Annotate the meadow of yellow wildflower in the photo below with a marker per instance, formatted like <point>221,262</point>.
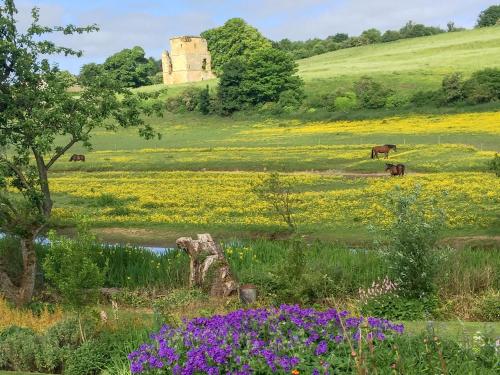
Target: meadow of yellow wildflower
<point>471,200</point>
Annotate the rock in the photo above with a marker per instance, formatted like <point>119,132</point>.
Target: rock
<point>248,294</point>
<point>209,268</point>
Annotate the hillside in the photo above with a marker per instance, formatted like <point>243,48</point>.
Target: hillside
<point>407,64</point>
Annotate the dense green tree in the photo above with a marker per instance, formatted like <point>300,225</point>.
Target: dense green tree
<point>90,72</point>
<point>235,38</point>
<point>489,16</point>
<point>390,36</point>
<point>415,30</point>
<point>130,67</point>
<point>340,37</point>
<point>39,122</point>
<point>372,35</point>
<point>259,78</point>
<point>229,91</point>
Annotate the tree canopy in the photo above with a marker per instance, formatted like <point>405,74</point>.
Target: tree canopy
<point>489,16</point>
<point>129,67</point>
<point>259,78</point>
<point>234,38</point>
<point>40,120</point>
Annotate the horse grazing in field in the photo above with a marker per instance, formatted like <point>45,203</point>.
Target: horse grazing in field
<point>76,157</point>
<point>385,149</point>
<point>396,170</point>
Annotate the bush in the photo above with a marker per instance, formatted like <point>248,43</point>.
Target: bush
<point>371,94</point>
<point>426,98</point>
<point>411,257</point>
<point>494,165</point>
<point>452,88</point>
<point>88,359</point>
<point>489,307</point>
<point>69,266</point>
<point>17,349</point>
<point>397,101</point>
<point>390,306</point>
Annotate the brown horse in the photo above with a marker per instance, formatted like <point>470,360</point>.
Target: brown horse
<point>76,157</point>
<point>385,149</point>
<point>396,170</point>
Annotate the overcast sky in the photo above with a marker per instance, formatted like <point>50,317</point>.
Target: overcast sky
<point>150,23</point>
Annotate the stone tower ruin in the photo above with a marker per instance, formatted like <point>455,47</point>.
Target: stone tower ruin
<point>188,61</point>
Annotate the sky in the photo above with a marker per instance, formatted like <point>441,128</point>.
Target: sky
<point>150,23</point>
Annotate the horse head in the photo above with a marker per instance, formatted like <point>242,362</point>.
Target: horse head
<point>388,166</point>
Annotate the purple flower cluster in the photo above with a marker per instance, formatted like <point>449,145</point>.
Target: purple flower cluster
<point>276,340</point>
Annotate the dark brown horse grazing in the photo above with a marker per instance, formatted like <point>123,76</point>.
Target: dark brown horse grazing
<point>382,150</point>
<point>76,157</point>
<point>396,170</point>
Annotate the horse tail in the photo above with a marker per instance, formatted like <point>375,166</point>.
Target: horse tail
<point>373,153</point>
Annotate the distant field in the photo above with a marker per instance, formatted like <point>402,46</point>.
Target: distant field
<point>463,142</point>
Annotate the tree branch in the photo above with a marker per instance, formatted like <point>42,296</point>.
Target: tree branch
<point>17,171</point>
<point>61,152</point>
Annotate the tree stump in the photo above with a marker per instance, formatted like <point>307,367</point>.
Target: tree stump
<point>209,268</point>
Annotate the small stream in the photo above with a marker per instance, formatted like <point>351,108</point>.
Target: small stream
<point>154,249</point>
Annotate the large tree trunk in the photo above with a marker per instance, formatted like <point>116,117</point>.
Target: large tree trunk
<point>22,293</point>
<point>208,266</point>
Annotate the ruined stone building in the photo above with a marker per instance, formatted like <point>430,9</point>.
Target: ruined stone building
<point>188,61</point>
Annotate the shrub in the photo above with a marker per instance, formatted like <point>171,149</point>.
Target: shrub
<point>494,165</point>
<point>390,306</point>
<point>371,94</point>
<point>397,101</point>
<point>413,234</point>
<point>426,98</point>
<point>276,191</point>
<point>88,359</point>
<point>70,268</point>
<point>489,307</point>
<point>290,99</point>
<point>345,102</point>
<point>17,349</point>
<point>452,88</point>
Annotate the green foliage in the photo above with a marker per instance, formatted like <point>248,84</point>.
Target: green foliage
<point>235,38</point>
<point>41,120</point>
<point>452,88</point>
<point>489,16</point>
<point>371,94</point>
<point>411,257</point>
<point>204,101</point>
<point>88,359</point>
<point>390,36</point>
<point>494,165</point>
<point>261,77</point>
<point>390,306</point>
<point>90,73</point>
<point>71,270</point>
<point>17,349</point>
<point>414,30</point>
<point>489,307</point>
<point>277,192</point>
<point>129,67</point>
<point>187,101</point>
<point>372,35</point>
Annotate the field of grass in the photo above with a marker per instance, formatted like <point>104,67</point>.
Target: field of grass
<point>445,150</point>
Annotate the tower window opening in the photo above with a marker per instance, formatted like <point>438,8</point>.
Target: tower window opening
<point>204,64</point>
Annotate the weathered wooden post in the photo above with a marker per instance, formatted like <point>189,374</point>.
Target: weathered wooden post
<point>209,268</point>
